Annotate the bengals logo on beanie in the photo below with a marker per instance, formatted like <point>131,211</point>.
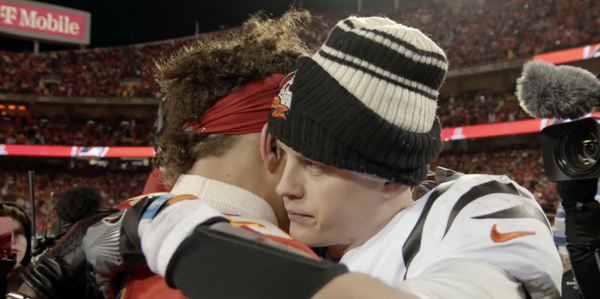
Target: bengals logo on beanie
<point>283,101</point>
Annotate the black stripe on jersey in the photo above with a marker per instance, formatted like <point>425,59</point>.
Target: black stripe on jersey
<point>476,192</point>
<point>413,243</point>
<point>516,212</point>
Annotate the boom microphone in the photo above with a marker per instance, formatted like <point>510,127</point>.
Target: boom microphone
<point>545,90</point>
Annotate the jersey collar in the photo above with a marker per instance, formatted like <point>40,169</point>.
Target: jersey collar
<point>226,198</point>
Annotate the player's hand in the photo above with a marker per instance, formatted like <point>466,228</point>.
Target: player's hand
<point>112,245</point>
<point>61,273</point>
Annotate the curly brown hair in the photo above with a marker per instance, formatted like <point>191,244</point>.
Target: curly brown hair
<point>199,75</point>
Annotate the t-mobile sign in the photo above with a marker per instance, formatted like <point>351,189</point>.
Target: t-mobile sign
<point>43,21</point>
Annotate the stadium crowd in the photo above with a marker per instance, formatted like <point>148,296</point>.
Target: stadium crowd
<point>468,109</point>
<point>483,32</point>
<point>523,165</point>
<point>479,107</point>
<point>113,185</point>
<point>59,131</point>
<point>479,33</point>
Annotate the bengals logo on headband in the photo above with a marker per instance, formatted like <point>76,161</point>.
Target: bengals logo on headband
<point>283,101</point>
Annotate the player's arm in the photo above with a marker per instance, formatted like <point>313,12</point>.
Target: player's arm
<point>216,256</point>
<point>193,246</point>
<point>211,252</point>
<point>187,239</point>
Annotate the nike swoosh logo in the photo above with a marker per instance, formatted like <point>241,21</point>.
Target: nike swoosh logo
<point>498,237</point>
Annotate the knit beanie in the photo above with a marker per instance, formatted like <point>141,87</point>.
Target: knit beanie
<point>366,101</point>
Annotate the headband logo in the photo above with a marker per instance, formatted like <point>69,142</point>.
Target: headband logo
<point>283,101</point>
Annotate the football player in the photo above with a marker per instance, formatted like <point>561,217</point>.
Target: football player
<point>218,97</point>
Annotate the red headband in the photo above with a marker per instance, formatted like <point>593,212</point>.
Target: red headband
<point>243,111</point>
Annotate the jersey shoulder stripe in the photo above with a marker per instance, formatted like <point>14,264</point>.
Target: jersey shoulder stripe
<point>413,243</point>
<point>490,187</point>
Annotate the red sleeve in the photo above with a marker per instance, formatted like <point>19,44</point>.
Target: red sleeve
<point>126,204</point>
<point>142,283</point>
<point>154,183</point>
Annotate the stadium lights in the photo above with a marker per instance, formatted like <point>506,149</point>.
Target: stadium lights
<point>13,107</point>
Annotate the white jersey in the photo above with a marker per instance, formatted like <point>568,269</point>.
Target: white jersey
<point>462,229</point>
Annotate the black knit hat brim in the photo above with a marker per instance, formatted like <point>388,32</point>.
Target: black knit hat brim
<point>328,124</point>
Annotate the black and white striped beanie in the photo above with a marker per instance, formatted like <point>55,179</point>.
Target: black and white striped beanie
<point>366,101</point>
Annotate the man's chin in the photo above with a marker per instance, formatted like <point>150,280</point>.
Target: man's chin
<point>306,236</point>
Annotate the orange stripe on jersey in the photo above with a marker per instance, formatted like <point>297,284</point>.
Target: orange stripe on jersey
<point>130,202</point>
<point>179,198</point>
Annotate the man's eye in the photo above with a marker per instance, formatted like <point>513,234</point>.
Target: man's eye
<point>314,167</point>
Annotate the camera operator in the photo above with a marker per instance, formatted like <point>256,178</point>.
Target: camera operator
<point>571,157</point>
<point>570,288</point>
<point>582,228</point>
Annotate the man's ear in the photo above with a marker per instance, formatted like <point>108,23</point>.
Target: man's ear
<point>268,149</point>
<point>392,190</point>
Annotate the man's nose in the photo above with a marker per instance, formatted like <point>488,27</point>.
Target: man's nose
<point>290,186</point>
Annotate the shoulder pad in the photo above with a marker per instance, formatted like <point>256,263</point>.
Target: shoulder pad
<point>443,175</point>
